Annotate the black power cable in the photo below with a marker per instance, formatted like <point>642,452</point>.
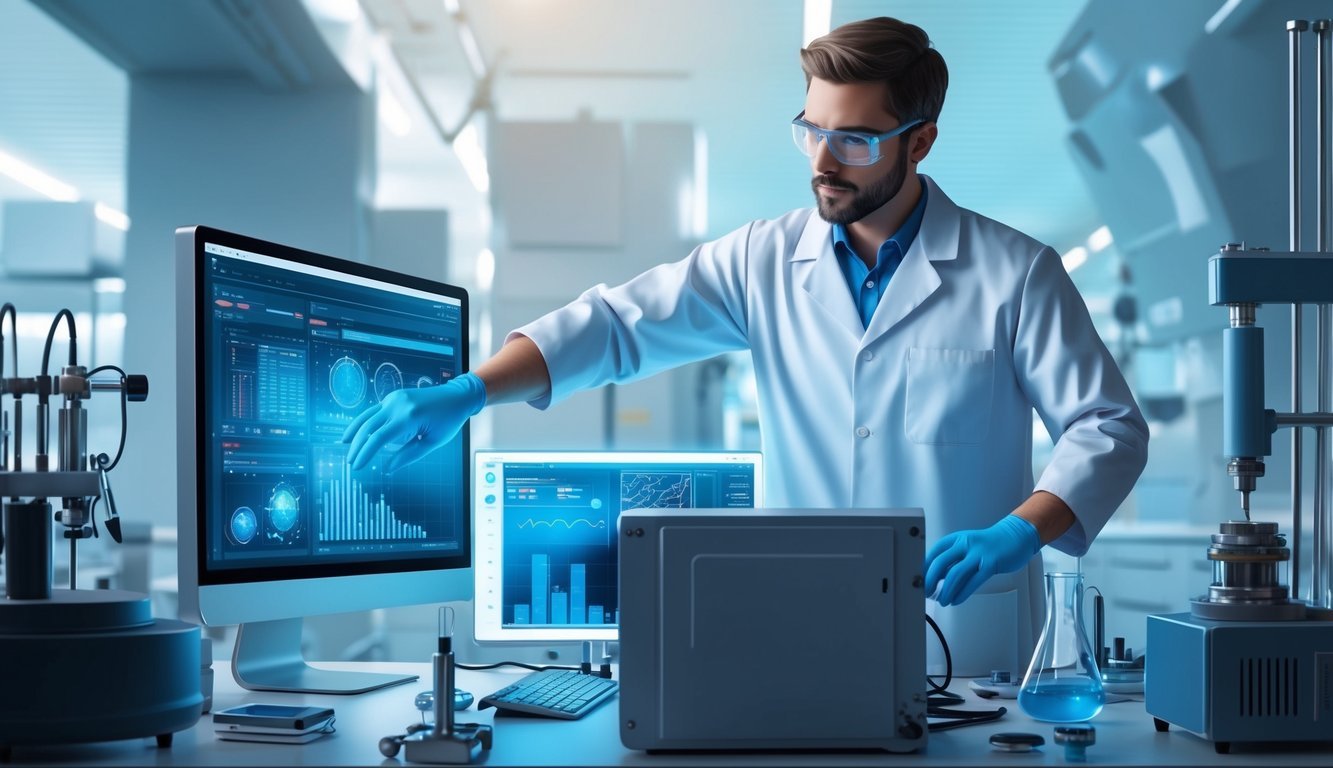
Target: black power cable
<point>940,701</point>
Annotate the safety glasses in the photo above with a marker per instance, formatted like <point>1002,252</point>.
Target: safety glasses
<point>849,147</point>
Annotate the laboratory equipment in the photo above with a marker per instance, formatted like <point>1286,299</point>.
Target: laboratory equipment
<point>1063,684</point>
<point>1016,742</point>
<point>551,516</point>
<point>279,350</point>
<point>78,665</point>
<point>561,693</point>
<point>1076,740</point>
<point>714,651</point>
<point>444,741</point>
<point>1251,661</point>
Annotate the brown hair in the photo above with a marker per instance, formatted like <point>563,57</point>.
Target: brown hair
<point>883,50</point>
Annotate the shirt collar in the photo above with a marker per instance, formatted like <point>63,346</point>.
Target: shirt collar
<point>902,238</point>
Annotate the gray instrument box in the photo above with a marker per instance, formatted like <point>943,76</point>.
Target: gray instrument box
<point>772,629</point>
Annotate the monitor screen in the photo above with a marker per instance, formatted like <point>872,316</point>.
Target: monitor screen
<point>281,350</point>
<point>546,530</point>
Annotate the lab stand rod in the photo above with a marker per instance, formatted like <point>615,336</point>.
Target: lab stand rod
<point>1294,30</point>
<point>1322,591</point>
<point>1305,419</point>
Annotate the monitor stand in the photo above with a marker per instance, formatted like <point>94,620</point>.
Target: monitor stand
<point>267,657</point>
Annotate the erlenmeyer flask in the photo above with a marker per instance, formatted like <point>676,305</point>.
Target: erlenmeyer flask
<point>1063,684</point>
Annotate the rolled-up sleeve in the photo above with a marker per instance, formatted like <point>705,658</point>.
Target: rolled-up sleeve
<point>671,315</point>
<point>1101,438</point>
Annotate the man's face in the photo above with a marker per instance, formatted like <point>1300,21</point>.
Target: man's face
<point>848,193</point>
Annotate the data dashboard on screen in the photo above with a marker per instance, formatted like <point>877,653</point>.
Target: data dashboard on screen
<point>293,352</point>
<point>546,542</point>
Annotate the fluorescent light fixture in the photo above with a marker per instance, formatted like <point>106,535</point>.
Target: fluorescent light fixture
<point>111,216</point>
<point>700,212</point>
<point>340,11</point>
<point>1074,258</point>
<point>452,7</point>
<point>391,111</point>
<point>473,51</point>
<point>818,16</point>
<point>36,180</point>
<point>1210,26</point>
<point>109,285</point>
<point>485,269</point>
<point>1099,239</point>
<point>467,146</point>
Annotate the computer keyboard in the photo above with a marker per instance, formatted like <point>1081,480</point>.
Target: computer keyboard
<point>561,693</point>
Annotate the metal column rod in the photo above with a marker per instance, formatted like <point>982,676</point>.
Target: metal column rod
<point>1294,30</point>
<point>1322,591</point>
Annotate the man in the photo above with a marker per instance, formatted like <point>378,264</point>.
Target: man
<point>899,342</point>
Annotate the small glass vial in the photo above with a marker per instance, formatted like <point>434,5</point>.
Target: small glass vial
<point>1063,684</point>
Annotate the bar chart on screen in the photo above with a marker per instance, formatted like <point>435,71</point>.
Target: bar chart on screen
<point>349,513</point>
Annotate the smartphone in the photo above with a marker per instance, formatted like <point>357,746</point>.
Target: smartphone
<point>271,718</point>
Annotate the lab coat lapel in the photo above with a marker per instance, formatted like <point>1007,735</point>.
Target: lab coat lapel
<point>815,269</point>
<point>916,278</point>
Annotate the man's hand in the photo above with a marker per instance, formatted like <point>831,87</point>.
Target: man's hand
<point>961,562</point>
<point>422,419</point>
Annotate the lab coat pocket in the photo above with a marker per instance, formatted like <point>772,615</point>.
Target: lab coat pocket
<point>949,395</point>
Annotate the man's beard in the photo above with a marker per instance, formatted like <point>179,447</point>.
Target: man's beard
<point>863,202</point>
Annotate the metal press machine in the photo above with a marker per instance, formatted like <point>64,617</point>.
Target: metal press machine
<point>1252,661</point>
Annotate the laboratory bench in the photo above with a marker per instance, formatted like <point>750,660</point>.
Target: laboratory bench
<point>1125,736</point>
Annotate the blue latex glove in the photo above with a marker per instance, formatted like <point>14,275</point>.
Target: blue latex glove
<point>420,419</point>
<point>961,562</point>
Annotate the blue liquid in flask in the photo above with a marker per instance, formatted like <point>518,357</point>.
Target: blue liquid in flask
<point>1071,700</point>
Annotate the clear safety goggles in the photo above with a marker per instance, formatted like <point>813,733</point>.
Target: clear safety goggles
<point>849,147</point>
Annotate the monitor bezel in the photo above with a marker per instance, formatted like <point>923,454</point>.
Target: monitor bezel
<point>204,576</point>
<point>488,619</point>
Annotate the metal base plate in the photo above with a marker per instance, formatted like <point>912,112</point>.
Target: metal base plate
<point>1290,610</point>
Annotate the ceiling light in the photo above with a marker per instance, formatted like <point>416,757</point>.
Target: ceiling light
<point>37,180</point>
<point>485,269</point>
<point>1099,239</point>
<point>818,14</point>
<point>111,216</point>
<point>1074,258</point>
<point>467,146</point>
<point>392,114</point>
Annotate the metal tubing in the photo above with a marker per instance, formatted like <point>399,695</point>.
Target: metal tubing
<point>1296,452</point>
<point>1306,419</point>
<point>18,435</point>
<point>1322,590</point>
<point>1294,30</point>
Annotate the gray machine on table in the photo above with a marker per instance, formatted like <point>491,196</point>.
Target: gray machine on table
<point>78,665</point>
<point>772,629</point>
<point>1251,661</point>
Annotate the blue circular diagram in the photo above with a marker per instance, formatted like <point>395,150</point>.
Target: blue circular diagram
<point>347,382</point>
<point>490,477</point>
<point>284,508</point>
<point>424,381</point>
<point>490,498</point>
<point>244,524</point>
<point>595,504</point>
<point>387,379</point>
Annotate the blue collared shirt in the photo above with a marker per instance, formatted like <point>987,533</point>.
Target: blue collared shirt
<point>867,285</point>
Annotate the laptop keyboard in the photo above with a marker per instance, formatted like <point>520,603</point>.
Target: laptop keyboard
<point>561,693</point>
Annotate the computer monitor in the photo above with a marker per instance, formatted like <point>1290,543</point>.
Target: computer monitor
<point>279,350</point>
<point>546,530</point>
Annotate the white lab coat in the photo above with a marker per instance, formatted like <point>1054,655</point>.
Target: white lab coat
<point>930,407</point>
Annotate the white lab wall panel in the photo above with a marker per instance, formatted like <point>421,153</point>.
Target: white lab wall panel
<point>561,183</point>
<point>415,242</point>
<point>537,271</point>
<point>288,166</point>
